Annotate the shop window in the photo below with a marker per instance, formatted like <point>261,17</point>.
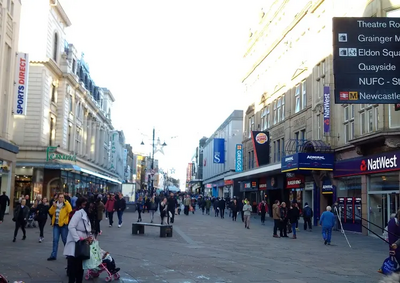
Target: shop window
<point>349,187</point>
<point>384,182</point>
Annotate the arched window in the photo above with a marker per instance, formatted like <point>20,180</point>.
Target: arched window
<point>55,47</point>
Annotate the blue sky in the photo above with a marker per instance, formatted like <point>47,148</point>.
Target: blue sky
<point>173,65</point>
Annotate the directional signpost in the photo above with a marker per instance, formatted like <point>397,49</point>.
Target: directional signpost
<point>366,60</point>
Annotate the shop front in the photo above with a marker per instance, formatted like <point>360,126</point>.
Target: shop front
<point>228,189</point>
<point>8,158</point>
<point>46,179</point>
<point>249,191</point>
<point>275,190</point>
<point>368,188</point>
<point>302,168</point>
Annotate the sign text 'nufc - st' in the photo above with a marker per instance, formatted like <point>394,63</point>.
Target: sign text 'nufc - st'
<point>366,60</point>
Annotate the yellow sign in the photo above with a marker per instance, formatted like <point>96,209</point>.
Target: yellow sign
<point>353,95</point>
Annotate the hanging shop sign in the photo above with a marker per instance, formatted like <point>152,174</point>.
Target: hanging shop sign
<point>307,161</point>
<point>52,155</point>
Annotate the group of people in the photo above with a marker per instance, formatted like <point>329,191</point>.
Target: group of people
<point>72,218</point>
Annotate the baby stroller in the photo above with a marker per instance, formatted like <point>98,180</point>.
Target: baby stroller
<point>30,223</point>
<point>99,262</point>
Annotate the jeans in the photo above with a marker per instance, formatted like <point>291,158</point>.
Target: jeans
<point>139,215</point>
<point>277,223</point>
<point>216,212</point>
<point>2,212</point>
<point>294,228</point>
<point>57,232</point>
<point>120,213</point>
<point>234,215</point>
<point>19,224</point>
<point>186,210</point>
<point>327,233</point>
<point>110,217</point>
<point>97,226</point>
<point>42,223</point>
<point>207,211</point>
<point>307,221</point>
<point>152,211</point>
<point>222,212</point>
<point>75,270</point>
<point>283,230</point>
<point>262,217</point>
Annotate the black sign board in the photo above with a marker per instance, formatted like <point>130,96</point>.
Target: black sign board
<point>261,147</point>
<point>366,60</point>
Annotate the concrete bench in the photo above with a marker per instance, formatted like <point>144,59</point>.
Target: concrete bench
<point>165,229</point>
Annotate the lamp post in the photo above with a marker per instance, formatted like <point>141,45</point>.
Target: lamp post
<point>152,160</point>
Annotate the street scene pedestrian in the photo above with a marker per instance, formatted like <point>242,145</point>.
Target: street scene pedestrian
<point>4,202</point>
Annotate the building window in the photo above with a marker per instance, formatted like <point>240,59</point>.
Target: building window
<point>278,150</point>
<point>267,119</point>
<point>55,47</point>
<point>252,159</point>
<point>297,98</point>
<point>249,159</point>
<point>71,103</point>
<point>318,127</point>
<point>303,95</point>
<point>73,66</point>
<point>278,108</point>
<point>394,117</point>
<point>303,136</point>
<point>251,125</point>
<point>53,93</point>
<point>348,123</point>
<point>78,141</point>
<point>369,118</point>
<point>275,113</point>
<point>51,133</point>
<point>69,137</point>
<point>263,119</point>
<point>283,108</point>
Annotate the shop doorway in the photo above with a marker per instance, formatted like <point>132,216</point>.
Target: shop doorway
<point>381,207</point>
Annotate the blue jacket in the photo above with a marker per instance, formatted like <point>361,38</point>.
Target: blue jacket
<point>327,219</point>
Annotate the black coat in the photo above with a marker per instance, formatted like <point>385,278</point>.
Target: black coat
<point>4,201</point>
<point>120,204</point>
<point>25,212</point>
<point>42,211</point>
<point>171,202</point>
<point>294,215</point>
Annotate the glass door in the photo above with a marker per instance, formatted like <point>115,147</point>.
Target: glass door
<point>378,212</point>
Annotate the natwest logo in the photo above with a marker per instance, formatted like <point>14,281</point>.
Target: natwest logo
<point>379,163</point>
<point>315,157</point>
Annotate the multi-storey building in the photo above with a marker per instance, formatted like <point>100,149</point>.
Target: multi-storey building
<point>9,33</point>
<point>289,73</point>
<point>64,136</point>
<point>215,168</point>
<point>128,163</point>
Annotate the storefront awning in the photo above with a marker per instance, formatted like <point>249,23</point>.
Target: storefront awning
<point>260,170</point>
<point>83,170</point>
<point>54,166</point>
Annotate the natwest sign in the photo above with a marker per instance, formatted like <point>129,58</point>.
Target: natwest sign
<point>372,164</point>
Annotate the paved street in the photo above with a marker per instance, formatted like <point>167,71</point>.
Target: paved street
<point>204,249</point>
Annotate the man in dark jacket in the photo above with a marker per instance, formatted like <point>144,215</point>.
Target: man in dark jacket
<point>221,205</point>
<point>120,206</point>
<point>4,202</point>
<point>172,202</point>
<point>307,216</point>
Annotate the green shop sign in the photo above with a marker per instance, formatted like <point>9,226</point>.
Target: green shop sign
<point>53,155</point>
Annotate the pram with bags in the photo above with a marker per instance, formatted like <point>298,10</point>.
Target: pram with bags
<point>99,262</point>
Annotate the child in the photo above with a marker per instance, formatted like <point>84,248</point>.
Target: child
<point>109,262</point>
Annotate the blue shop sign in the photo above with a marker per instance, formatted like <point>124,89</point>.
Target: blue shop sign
<point>307,161</point>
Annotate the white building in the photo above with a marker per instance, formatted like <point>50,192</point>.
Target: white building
<point>9,33</point>
<point>64,136</point>
<point>213,173</point>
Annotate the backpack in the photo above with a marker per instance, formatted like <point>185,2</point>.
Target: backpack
<point>307,212</point>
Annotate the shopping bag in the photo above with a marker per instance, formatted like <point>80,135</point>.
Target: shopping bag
<point>95,257</point>
<point>389,265</point>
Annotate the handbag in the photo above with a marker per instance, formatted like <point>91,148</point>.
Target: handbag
<point>82,247</point>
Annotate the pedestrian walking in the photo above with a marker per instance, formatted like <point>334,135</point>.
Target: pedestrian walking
<point>139,208</point>
<point>79,229</point>
<point>216,207</point>
<point>4,202</point>
<point>120,208</point>
<point>172,203</point>
<point>307,216</point>
<point>247,213</point>
<point>153,208</point>
<point>327,222</point>
<point>21,214</point>
<point>276,215</point>
<point>42,211</point>
<point>262,208</point>
<point>59,211</point>
<point>187,203</point>
<point>208,206</point>
<point>100,208</point>
<point>293,216</point>
<point>234,209</point>
<point>242,203</point>
<point>110,208</point>
<point>221,205</point>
